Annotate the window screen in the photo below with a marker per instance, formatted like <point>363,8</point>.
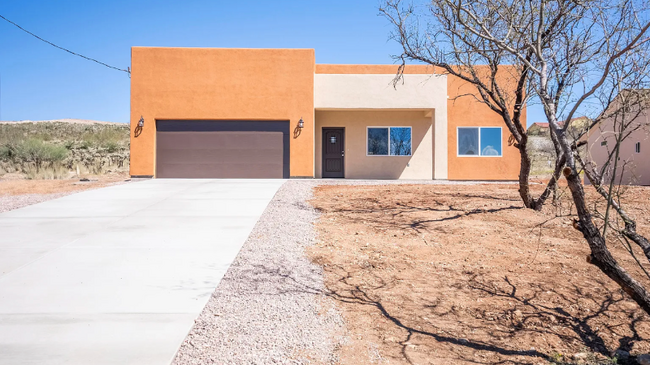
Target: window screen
<point>490,141</point>
<point>468,142</point>
<point>378,141</point>
<point>479,141</point>
<point>393,141</point>
<point>400,141</point>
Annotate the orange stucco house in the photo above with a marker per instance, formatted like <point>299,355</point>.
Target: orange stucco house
<point>275,113</point>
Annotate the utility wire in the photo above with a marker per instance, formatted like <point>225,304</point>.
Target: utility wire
<point>64,49</point>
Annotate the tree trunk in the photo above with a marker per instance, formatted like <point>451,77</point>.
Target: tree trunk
<point>524,178</point>
<point>524,174</point>
<point>600,255</point>
<point>630,224</point>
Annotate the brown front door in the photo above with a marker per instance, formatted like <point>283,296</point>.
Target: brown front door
<point>333,152</point>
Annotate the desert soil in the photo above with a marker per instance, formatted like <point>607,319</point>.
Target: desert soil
<point>17,192</point>
<point>462,274</point>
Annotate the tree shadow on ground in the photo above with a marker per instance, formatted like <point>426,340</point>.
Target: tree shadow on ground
<point>525,309</point>
<point>391,216</point>
<point>356,295</point>
<point>498,345</point>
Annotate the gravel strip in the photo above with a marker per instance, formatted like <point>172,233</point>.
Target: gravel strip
<point>12,202</point>
<point>269,307</point>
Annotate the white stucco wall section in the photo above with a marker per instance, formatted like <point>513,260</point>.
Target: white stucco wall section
<point>371,92</point>
<point>334,91</point>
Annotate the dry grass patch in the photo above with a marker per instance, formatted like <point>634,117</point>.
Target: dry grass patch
<point>450,274</point>
<point>15,187</point>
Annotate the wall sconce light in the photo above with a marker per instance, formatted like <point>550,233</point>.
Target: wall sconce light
<point>301,124</point>
<point>138,129</point>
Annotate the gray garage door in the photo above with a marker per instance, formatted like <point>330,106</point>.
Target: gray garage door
<point>222,149</point>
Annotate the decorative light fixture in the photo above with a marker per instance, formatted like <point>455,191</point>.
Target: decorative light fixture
<point>301,124</point>
<point>141,122</point>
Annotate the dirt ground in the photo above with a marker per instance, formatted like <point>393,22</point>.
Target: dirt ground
<point>12,186</point>
<point>462,274</point>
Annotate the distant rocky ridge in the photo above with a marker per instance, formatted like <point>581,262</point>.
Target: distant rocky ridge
<point>65,120</point>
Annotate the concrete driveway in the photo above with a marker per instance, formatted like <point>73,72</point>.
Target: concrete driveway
<point>118,275</point>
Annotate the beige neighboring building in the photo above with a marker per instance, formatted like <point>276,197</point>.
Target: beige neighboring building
<point>538,129</point>
<point>634,153</point>
<point>542,129</point>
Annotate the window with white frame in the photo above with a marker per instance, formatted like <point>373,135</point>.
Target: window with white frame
<point>479,141</point>
<point>389,141</point>
<point>637,147</point>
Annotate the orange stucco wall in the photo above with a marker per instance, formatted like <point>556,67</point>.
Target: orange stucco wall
<point>461,112</point>
<point>222,84</point>
<point>466,111</point>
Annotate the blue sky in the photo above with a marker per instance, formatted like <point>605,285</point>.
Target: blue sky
<point>42,82</point>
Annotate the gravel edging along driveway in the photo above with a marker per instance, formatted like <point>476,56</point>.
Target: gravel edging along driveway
<point>269,308</point>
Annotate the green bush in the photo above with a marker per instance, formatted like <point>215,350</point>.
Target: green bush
<point>7,151</point>
<point>111,146</point>
<point>109,137</point>
<point>86,144</point>
<point>40,153</point>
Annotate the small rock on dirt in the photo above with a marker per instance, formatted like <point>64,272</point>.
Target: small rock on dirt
<point>643,359</point>
<point>622,354</point>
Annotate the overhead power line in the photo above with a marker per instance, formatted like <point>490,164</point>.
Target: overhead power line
<point>64,49</point>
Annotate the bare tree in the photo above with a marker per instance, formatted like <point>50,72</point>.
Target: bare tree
<point>629,113</point>
<point>441,40</point>
<point>494,45</point>
<point>567,56</point>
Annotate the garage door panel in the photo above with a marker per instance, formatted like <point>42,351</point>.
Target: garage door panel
<point>223,140</point>
<point>222,171</point>
<point>222,149</point>
<point>202,156</point>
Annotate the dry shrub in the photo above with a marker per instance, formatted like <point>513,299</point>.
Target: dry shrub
<point>52,172</point>
<point>56,150</point>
